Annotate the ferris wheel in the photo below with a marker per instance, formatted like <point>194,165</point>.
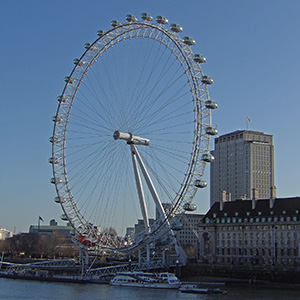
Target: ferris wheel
<point>131,134</point>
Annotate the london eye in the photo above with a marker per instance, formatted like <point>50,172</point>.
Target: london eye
<point>131,134</point>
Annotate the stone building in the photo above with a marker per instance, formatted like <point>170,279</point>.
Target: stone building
<point>263,232</point>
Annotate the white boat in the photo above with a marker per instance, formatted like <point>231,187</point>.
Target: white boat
<point>146,280</point>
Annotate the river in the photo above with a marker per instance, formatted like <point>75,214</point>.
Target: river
<point>11,289</point>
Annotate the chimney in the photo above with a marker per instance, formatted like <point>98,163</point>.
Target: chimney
<point>228,196</point>
<point>222,199</point>
<point>272,202</point>
<point>223,196</point>
<point>254,194</point>
<point>272,196</point>
<point>272,192</point>
<point>243,197</point>
<point>221,205</point>
<point>254,197</point>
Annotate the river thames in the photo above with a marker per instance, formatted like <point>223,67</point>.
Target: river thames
<point>11,289</point>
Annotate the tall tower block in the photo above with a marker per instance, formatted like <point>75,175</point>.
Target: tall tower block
<point>243,166</point>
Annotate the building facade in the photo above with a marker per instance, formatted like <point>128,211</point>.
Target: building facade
<point>244,162</point>
<point>51,228</point>
<point>188,234</point>
<point>263,232</point>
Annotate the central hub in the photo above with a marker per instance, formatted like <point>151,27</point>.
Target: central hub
<point>131,139</point>
<point>122,135</point>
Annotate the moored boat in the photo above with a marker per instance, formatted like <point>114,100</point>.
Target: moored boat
<point>146,280</point>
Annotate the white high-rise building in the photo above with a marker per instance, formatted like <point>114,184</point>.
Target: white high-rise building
<point>243,167</point>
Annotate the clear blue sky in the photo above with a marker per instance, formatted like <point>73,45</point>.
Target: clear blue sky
<point>252,50</point>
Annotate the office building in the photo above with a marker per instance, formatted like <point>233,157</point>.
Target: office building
<point>188,234</point>
<point>243,167</point>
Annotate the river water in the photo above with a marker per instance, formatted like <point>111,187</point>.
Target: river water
<point>11,289</point>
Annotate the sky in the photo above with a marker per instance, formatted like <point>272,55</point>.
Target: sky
<point>252,50</point>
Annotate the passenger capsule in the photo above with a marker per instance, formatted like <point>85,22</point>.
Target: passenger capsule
<point>211,130</point>
<point>62,98</point>
<point>64,217</point>
<point>131,18</point>
<point>207,157</point>
<point>161,20</point>
<point>189,207</point>
<point>211,104</point>
<point>115,23</point>
<point>207,79</point>
<point>78,62</point>
<point>101,32</point>
<point>69,79</point>
<point>53,160</point>
<point>89,46</point>
<point>189,40</point>
<point>59,200</point>
<point>54,140</point>
<point>57,119</point>
<point>146,17</point>
<point>176,28</point>
<point>200,184</point>
<point>54,181</point>
<point>177,226</point>
<point>199,58</point>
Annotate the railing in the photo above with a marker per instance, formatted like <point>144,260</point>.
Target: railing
<point>89,273</point>
<point>39,265</point>
<point>123,268</point>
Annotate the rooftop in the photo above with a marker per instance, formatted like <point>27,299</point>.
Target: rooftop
<point>253,208</point>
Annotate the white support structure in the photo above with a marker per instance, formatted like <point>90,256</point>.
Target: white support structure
<point>133,141</point>
<point>180,252</point>
<point>150,185</point>
<point>136,159</point>
<point>140,190</point>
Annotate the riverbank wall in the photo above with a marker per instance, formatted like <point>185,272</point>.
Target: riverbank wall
<point>247,275</point>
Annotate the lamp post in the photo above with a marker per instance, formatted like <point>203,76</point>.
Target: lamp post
<point>178,269</point>
<point>129,265</point>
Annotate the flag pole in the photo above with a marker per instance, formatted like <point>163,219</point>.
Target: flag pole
<point>39,224</point>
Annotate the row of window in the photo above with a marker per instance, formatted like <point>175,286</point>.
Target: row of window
<point>260,227</point>
<point>246,260</point>
<point>259,252</point>
<point>258,243</point>
<point>257,234</point>
<point>229,220</point>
